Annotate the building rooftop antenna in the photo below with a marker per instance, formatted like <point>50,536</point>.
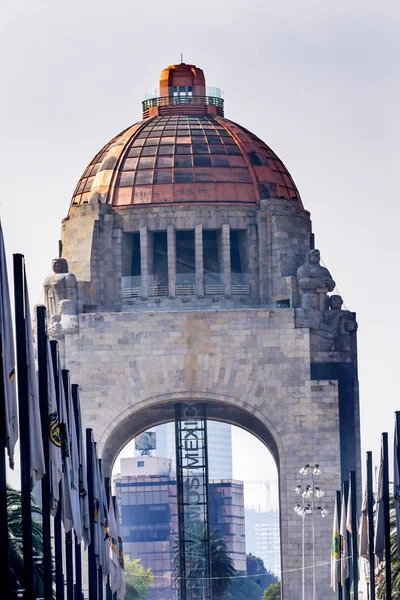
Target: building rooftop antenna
<point>181,58</point>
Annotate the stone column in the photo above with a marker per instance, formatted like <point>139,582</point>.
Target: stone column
<point>226,258</point>
<point>145,257</point>
<point>252,264</point>
<point>171,248</point>
<point>198,248</point>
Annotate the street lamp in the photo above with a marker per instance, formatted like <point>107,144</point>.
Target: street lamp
<point>308,494</point>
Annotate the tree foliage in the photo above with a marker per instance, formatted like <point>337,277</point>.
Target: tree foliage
<point>394,560</point>
<point>250,585</point>
<point>14,520</point>
<point>138,580</point>
<point>273,592</point>
<point>222,569</point>
<point>243,588</point>
<point>257,571</point>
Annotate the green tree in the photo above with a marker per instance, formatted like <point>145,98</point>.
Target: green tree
<point>273,592</point>
<point>394,560</point>
<point>222,569</point>
<point>250,585</point>
<point>242,588</point>
<point>14,520</point>
<point>257,571</point>
<point>138,579</point>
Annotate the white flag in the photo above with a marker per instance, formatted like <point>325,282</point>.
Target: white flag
<point>363,531</point>
<point>344,553</point>
<point>335,550</point>
<point>7,357</point>
<point>115,569</point>
<point>122,588</point>
<point>83,485</point>
<point>37,465</point>
<point>74,464</point>
<point>66,505</point>
<point>396,467</point>
<point>55,460</point>
<point>380,515</point>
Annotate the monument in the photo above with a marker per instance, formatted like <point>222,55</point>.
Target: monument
<point>188,274</point>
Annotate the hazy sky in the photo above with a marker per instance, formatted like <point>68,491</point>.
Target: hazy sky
<point>318,81</point>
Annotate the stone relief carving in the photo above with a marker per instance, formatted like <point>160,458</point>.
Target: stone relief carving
<point>314,279</point>
<point>342,323</point>
<point>60,294</point>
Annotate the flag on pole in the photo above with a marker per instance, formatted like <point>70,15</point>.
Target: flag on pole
<point>115,569</point>
<point>83,483</point>
<point>66,504</point>
<point>348,516</point>
<point>37,464</point>
<point>122,588</point>
<point>396,464</point>
<point>380,515</point>
<point>74,467</point>
<point>104,524</point>
<point>344,551</point>
<point>335,550</point>
<point>7,357</point>
<point>55,459</point>
<point>363,549</point>
<point>98,533</point>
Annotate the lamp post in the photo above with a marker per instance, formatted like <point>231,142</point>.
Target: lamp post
<point>309,493</point>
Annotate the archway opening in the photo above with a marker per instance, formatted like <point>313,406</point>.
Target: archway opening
<point>243,498</point>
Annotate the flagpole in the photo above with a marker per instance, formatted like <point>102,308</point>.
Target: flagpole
<point>91,549</point>
<point>44,416</point>
<point>4,547</point>
<point>78,554</point>
<point>370,502</point>
<point>396,491</point>
<point>101,586</point>
<point>339,512</point>
<point>114,500</point>
<point>107,486</point>
<point>345,496</point>
<point>23,408</point>
<point>386,508</point>
<point>57,519</point>
<point>354,532</point>
<point>69,565</point>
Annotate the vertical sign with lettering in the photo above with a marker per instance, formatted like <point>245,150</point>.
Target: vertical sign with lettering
<point>192,492</point>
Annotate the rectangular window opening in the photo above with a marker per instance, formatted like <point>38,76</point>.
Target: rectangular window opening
<point>185,263</point>
<point>160,264</point>
<point>213,279</point>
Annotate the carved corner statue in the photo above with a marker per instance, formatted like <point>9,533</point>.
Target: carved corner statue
<point>331,327</point>
<point>315,279</point>
<point>342,323</point>
<point>308,315</point>
<point>60,295</point>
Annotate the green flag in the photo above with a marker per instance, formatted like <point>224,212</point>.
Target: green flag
<point>335,551</point>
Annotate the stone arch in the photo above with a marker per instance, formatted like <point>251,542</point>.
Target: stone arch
<point>160,409</point>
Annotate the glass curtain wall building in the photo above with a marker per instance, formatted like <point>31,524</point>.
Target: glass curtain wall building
<point>146,491</point>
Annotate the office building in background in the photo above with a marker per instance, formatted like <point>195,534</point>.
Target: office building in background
<point>146,491</point>
<point>219,447</point>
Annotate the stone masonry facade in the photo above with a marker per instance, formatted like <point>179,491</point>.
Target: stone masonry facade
<point>242,354</point>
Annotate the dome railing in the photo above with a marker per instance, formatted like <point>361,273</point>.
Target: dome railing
<point>179,101</point>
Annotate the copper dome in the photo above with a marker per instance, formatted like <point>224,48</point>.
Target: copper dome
<point>183,157</point>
